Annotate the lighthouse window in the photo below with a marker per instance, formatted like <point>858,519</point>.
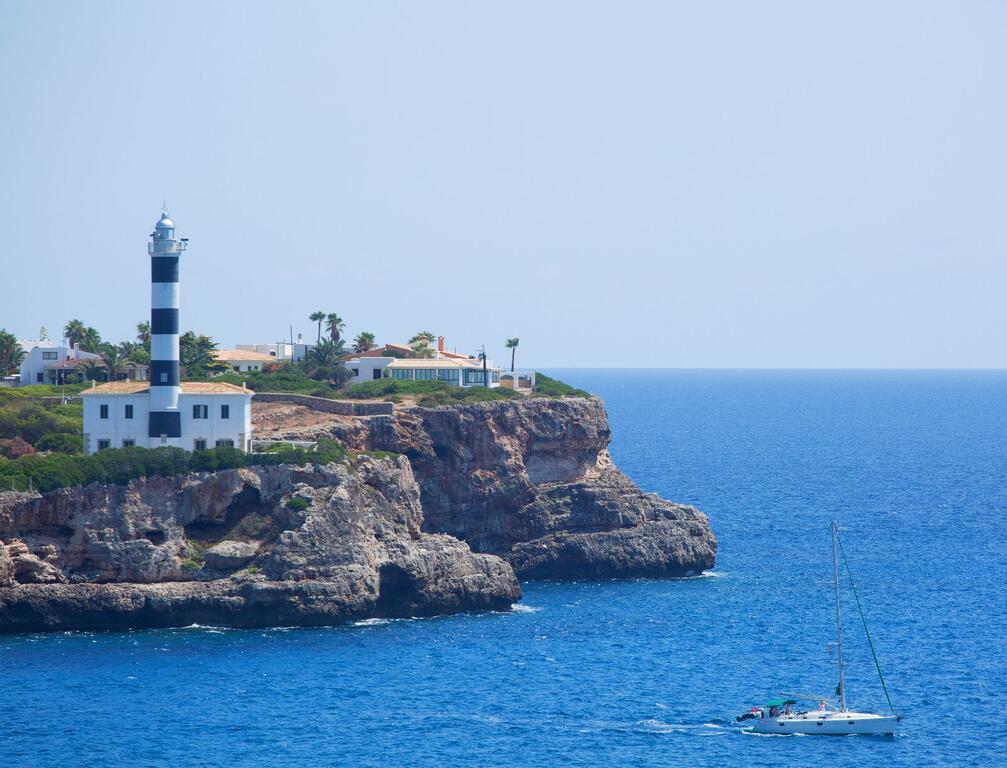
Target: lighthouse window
<point>164,378</point>
<point>225,411</point>
<point>103,411</point>
<point>200,411</point>
<point>129,411</point>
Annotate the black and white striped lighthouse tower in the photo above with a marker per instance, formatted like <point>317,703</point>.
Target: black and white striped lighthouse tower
<point>165,426</point>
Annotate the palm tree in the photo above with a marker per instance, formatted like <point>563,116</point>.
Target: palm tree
<point>11,352</point>
<point>422,344</point>
<point>90,340</point>
<point>364,342</point>
<point>512,346</point>
<point>327,353</point>
<point>334,325</point>
<point>317,317</point>
<point>91,370</point>
<point>113,359</point>
<point>74,331</point>
<point>423,336</point>
<point>143,332</point>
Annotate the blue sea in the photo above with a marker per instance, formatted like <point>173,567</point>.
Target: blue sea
<point>912,464</point>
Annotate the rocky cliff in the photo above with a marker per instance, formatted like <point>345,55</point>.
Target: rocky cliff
<point>249,547</point>
<point>532,482</point>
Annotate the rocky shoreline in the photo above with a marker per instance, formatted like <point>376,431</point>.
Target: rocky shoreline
<point>457,503</point>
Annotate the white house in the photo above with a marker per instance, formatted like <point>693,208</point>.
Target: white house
<point>281,350</point>
<point>163,411</point>
<point>213,414</point>
<point>242,360</point>
<point>462,372</point>
<point>44,360</point>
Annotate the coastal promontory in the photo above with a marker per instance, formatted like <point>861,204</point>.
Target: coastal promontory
<point>431,510</point>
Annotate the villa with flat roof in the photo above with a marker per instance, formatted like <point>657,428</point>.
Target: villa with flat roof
<point>398,361</point>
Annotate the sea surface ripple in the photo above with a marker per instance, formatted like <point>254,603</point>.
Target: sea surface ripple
<point>913,465</point>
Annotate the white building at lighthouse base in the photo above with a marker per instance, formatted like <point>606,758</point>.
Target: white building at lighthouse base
<point>213,414</point>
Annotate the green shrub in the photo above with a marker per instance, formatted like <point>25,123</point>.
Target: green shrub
<point>547,386</point>
<point>297,503</point>
<point>32,421</point>
<point>61,442</point>
<point>381,454</point>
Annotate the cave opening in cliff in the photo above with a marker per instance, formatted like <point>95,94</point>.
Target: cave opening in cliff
<point>246,518</point>
<point>398,591</point>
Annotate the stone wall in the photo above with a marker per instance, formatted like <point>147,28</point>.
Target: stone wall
<point>340,407</point>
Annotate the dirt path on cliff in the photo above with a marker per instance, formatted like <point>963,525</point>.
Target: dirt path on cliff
<point>272,421</point>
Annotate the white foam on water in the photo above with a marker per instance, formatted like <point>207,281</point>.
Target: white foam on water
<point>522,608</point>
<point>372,622</point>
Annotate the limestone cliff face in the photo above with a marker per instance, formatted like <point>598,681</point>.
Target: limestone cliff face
<point>532,481</point>
<point>229,548</point>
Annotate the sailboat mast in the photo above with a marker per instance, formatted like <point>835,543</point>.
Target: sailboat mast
<point>839,622</point>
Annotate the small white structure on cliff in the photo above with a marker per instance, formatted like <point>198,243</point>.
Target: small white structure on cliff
<point>164,411</point>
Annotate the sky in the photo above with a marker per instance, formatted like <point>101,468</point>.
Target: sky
<point>643,184</point>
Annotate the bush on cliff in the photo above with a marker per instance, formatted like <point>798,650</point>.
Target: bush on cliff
<point>61,442</point>
<point>120,465</point>
<point>31,421</point>
<point>546,386</point>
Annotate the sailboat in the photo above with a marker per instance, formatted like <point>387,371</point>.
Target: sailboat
<point>781,715</point>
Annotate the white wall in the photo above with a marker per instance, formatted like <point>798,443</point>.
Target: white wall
<point>237,428</point>
<point>365,367</point>
<point>117,427</point>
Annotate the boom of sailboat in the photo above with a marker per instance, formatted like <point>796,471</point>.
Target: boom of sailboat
<point>783,715</point>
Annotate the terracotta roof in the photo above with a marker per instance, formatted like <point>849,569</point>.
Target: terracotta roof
<point>406,350</point>
<point>442,363</point>
<point>188,388</point>
<point>243,354</point>
<point>73,362</point>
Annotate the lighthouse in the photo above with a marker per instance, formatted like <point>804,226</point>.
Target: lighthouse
<point>160,411</point>
<point>165,421</point>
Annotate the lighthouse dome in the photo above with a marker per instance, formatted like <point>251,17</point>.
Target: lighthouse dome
<point>164,222</point>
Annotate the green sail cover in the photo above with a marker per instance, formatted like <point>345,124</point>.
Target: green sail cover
<point>780,702</point>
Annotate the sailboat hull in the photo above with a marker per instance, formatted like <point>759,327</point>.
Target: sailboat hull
<point>828,724</point>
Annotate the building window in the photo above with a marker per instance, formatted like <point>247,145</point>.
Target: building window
<point>496,377</point>
<point>128,443</point>
<point>474,377</point>
<point>50,356</point>
<point>237,368</point>
<point>426,374</point>
<point>104,444</point>
<point>225,411</point>
<point>40,377</point>
<point>129,411</point>
<point>225,443</point>
<point>402,373</point>
<point>199,445</point>
<point>448,374</point>
<point>102,411</point>
<point>200,411</point>
<point>356,371</point>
